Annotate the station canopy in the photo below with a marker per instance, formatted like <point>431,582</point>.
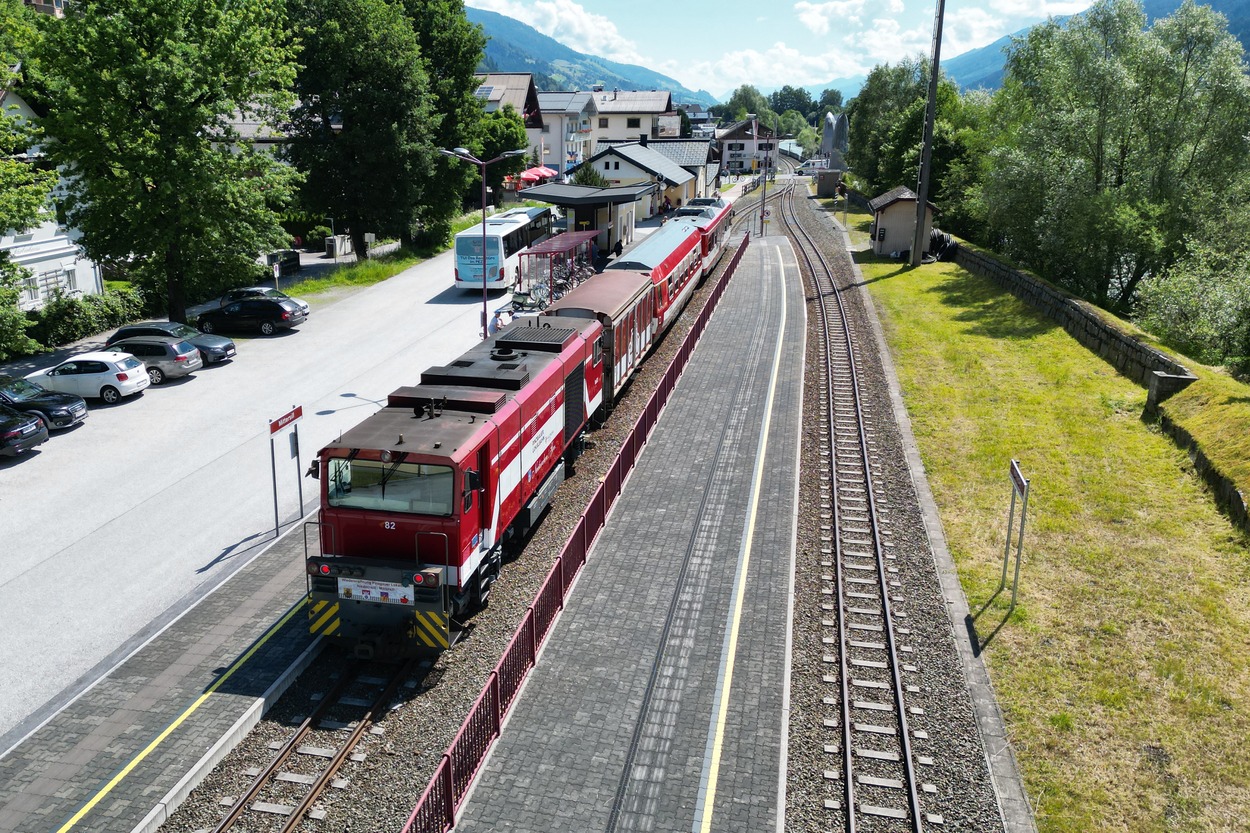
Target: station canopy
<point>581,196</point>
<point>561,243</point>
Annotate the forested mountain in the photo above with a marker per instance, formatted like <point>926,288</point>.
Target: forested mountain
<point>984,67</point>
<point>512,46</point>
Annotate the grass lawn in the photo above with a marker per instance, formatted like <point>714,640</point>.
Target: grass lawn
<point>1124,673</point>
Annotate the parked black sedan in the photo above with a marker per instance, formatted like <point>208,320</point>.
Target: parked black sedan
<point>19,432</point>
<point>54,409</point>
<point>264,314</point>
<point>213,348</point>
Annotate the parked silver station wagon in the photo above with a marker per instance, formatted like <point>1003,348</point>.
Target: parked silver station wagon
<point>166,357</point>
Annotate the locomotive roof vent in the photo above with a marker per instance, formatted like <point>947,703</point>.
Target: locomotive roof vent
<point>504,354</point>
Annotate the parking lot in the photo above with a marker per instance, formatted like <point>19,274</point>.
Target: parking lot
<point>112,527</point>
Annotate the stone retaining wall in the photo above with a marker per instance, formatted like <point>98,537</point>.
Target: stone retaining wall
<point>1126,354</point>
<point>1157,371</point>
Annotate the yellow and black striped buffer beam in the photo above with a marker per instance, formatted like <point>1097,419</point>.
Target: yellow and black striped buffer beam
<point>323,618</point>
<point>432,629</point>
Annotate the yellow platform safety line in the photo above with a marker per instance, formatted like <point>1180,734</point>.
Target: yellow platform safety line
<point>704,812</point>
<point>317,619</point>
<point>138,759</point>
<point>433,629</point>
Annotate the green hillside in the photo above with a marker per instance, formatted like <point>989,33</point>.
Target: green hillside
<point>515,47</point>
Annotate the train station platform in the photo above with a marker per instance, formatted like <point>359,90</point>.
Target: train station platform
<point>133,744</point>
<point>660,699</point>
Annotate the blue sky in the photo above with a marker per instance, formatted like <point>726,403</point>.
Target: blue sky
<point>718,45</point>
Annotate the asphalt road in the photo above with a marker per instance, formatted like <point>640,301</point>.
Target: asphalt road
<point>111,529</point>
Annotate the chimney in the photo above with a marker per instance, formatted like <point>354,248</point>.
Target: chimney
<point>642,139</point>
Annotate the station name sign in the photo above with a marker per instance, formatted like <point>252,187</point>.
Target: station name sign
<point>290,417</point>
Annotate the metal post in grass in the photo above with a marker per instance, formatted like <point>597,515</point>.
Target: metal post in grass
<point>1019,487</point>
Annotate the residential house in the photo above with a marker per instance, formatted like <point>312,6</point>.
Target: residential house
<point>499,89</point>
<point>628,114</point>
<point>49,251</point>
<point>564,140</point>
<point>747,146</point>
<point>697,156</point>
<point>634,163</point>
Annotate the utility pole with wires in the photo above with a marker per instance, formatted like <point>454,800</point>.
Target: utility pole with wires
<point>926,153</point>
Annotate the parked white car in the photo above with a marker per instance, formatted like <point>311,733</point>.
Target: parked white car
<point>107,375</point>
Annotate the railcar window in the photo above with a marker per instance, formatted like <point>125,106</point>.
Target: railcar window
<point>410,488</point>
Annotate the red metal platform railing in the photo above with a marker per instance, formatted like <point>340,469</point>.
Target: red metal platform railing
<point>436,810</point>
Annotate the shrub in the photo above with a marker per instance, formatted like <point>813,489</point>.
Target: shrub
<point>316,239</point>
<point>67,318</point>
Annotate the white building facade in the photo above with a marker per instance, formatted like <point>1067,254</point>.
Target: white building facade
<point>50,251</point>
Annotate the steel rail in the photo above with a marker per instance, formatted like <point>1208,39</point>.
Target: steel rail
<point>812,255</point>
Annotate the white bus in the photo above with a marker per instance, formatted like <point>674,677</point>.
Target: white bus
<point>506,235</point>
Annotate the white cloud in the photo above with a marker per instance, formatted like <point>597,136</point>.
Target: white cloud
<point>885,41</point>
<point>571,24</point>
<point>969,29</point>
<point>778,65</point>
<point>818,17</point>
<point>1035,9</point>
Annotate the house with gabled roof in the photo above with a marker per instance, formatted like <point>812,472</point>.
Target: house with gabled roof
<point>697,156</point>
<point>499,89</point>
<point>564,140</point>
<point>628,114</point>
<point>747,146</point>
<point>634,163</point>
<point>50,252</point>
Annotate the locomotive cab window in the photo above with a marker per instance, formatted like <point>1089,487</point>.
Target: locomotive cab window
<point>410,488</point>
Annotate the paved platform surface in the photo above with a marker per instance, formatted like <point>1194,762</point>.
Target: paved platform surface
<point>108,762</point>
<point>659,702</point>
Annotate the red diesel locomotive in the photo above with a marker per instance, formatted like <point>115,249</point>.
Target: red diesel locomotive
<point>420,499</point>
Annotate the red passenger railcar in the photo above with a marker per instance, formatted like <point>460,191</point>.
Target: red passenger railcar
<point>625,303</point>
<point>419,500</point>
<point>672,256</point>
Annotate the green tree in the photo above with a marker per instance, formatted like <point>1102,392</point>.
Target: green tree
<point>792,123</point>
<point>809,140</point>
<point>362,126</point>
<point>830,102</point>
<point>451,48</point>
<point>585,174</point>
<point>1114,141</point>
<point>791,98</point>
<point>874,117</point>
<point>145,97</point>
<point>23,187</point>
<point>500,132</point>
<point>746,99</point>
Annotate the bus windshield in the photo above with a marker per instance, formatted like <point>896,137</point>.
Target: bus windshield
<point>410,488</point>
<point>469,255</point>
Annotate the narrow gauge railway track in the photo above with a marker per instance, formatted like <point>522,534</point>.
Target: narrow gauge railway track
<point>283,794</point>
<point>862,613</point>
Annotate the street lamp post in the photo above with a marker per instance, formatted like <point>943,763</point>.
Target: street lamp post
<point>464,155</point>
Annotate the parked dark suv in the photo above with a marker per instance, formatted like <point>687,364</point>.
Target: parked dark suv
<point>55,410</point>
<point>264,314</point>
<point>212,348</point>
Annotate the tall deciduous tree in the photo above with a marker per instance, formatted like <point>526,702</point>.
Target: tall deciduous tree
<point>361,128</point>
<point>145,97</point>
<point>1115,139</point>
<point>500,132</point>
<point>874,116</point>
<point>791,98</point>
<point>451,48</point>
<point>23,187</point>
